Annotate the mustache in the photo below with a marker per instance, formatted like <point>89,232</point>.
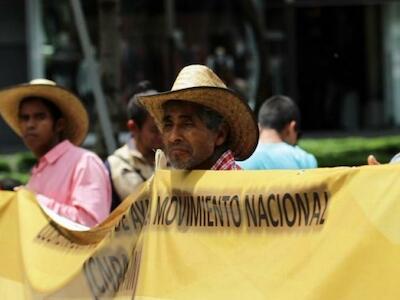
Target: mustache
<point>179,147</point>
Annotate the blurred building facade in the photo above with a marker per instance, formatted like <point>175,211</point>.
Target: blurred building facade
<point>339,59</point>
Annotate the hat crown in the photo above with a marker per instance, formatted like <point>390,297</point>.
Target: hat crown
<point>197,76</point>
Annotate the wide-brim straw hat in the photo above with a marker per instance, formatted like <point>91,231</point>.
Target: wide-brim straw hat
<point>199,84</point>
<point>74,113</point>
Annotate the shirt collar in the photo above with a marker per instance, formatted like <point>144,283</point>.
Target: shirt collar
<point>226,162</point>
<point>134,151</point>
<point>56,152</point>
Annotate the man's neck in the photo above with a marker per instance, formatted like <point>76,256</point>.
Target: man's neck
<point>43,151</point>
<point>268,135</point>
<point>147,155</point>
<point>210,162</point>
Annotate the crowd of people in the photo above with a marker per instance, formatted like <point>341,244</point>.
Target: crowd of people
<point>199,123</point>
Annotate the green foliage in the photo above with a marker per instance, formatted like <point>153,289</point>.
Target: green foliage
<point>351,151</point>
<point>25,162</point>
<point>4,166</point>
<point>22,177</point>
<point>330,152</point>
<point>16,166</point>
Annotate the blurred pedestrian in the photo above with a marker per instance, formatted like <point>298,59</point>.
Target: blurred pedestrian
<point>133,163</point>
<point>279,124</point>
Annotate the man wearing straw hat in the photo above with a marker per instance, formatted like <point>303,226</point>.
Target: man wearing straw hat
<point>204,124</point>
<point>52,122</point>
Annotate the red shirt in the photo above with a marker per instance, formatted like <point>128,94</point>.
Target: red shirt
<point>226,162</point>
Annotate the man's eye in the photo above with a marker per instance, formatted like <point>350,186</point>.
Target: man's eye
<point>167,126</point>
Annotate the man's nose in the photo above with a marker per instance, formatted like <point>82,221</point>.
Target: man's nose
<point>174,134</point>
<point>30,123</point>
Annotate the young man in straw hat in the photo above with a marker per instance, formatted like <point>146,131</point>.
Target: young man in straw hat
<point>52,122</point>
<point>204,124</point>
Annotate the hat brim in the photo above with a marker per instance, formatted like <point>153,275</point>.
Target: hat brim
<point>243,137</point>
<point>77,121</point>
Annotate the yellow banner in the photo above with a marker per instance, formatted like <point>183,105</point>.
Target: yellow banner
<point>318,234</point>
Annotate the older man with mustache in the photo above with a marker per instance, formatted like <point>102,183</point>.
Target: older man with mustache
<point>204,125</point>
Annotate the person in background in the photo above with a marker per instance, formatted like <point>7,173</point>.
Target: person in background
<point>279,123</point>
<point>52,122</point>
<point>204,125</point>
<point>373,161</point>
<point>133,163</point>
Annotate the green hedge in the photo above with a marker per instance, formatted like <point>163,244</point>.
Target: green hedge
<point>351,151</point>
<point>330,152</point>
<point>16,166</point>
<point>21,177</point>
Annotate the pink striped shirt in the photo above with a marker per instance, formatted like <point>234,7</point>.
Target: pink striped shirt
<point>74,183</point>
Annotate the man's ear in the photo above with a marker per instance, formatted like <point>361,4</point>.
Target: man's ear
<point>292,126</point>
<point>289,133</point>
<point>222,134</point>
<point>132,126</point>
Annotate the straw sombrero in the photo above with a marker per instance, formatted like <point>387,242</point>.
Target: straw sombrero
<point>73,111</point>
<point>199,84</point>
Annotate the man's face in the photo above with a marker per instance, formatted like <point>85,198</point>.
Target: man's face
<point>189,143</point>
<point>39,131</point>
<point>148,138</point>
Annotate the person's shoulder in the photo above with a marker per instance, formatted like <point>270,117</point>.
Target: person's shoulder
<point>120,152</point>
<point>263,148</point>
<point>275,149</point>
<point>308,159</point>
<point>258,159</point>
<point>302,151</point>
<point>87,155</point>
<point>395,159</point>
<point>122,158</point>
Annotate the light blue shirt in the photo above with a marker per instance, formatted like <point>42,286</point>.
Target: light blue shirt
<point>278,156</point>
<point>395,159</point>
